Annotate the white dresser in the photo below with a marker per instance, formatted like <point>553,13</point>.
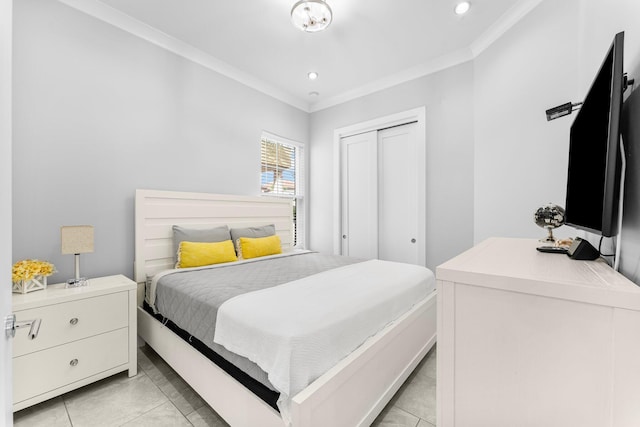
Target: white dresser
<point>533,339</point>
<point>86,334</point>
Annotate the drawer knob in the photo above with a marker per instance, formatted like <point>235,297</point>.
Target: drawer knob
<point>74,362</point>
<point>74,321</point>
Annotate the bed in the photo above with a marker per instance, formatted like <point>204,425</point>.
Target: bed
<point>350,393</point>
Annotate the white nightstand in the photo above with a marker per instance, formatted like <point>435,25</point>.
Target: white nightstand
<point>87,333</point>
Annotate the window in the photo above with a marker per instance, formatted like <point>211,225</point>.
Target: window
<point>282,175</point>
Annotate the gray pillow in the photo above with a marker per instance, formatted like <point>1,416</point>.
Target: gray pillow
<point>181,234</point>
<point>253,232</point>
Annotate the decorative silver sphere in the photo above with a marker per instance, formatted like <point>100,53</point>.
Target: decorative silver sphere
<point>549,216</point>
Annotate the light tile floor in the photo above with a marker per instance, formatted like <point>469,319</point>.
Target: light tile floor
<point>158,397</point>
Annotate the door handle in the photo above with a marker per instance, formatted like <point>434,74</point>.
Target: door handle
<point>10,326</point>
<point>413,240</point>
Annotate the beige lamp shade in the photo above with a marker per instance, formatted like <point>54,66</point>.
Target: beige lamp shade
<point>76,239</point>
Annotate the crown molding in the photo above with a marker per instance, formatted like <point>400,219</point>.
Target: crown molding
<point>502,25</point>
<point>110,15</point>
<point>439,64</point>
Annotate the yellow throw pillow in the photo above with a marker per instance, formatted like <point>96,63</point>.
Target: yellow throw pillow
<point>196,254</point>
<point>260,246</point>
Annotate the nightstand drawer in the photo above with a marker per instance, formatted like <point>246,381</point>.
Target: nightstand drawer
<point>46,370</point>
<point>70,321</point>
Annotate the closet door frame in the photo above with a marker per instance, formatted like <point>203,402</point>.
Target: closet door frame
<point>417,115</point>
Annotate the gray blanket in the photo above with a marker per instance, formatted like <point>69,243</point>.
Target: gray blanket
<point>191,298</point>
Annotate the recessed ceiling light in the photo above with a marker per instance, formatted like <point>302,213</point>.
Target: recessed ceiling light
<point>312,75</point>
<point>313,93</point>
<point>462,8</point>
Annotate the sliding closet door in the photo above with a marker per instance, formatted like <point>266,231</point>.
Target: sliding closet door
<point>398,194</point>
<point>359,177</point>
<point>380,195</point>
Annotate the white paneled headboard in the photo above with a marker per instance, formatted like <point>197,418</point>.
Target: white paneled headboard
<point>157,211</point>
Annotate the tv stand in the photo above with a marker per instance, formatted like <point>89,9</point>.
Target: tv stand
<point>535,339</point>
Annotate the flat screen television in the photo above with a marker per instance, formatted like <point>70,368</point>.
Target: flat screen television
<point>593,180</point>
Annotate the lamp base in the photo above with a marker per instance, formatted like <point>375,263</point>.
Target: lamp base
<point>549,238</point>
<point>76,283</point>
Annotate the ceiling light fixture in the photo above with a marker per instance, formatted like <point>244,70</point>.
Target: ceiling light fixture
<point>312,75</point>
<point>462,8</point>
<point>311,15</point>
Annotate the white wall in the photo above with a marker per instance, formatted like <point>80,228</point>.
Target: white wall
<point>520,158</point>
<point>447,96</point>
<point>6,374</point>
<point>600,21</point>
<point>99,112</point>
<point>548,58</point>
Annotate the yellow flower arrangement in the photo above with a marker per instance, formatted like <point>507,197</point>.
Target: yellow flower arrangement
<point>29,268</point>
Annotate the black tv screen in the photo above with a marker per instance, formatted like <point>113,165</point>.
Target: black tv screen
<point>593,181</point>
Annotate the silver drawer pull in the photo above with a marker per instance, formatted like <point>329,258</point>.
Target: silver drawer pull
<point>74,362</point>
<point>74,321</point>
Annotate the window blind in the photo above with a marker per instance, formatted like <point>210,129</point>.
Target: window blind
<point>278,168</point>
<point>282,175</point>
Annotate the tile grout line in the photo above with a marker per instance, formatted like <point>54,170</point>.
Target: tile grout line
<point>155,365</point>
<point>153,409</point>
<point>66,410</point>
<point>185,416</point>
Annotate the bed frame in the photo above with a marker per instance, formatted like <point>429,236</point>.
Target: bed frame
<point>350,394</point>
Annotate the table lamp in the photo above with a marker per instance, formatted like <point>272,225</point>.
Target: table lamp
<point>76,239</point>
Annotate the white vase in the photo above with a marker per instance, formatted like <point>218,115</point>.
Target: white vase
<point>34,284</point>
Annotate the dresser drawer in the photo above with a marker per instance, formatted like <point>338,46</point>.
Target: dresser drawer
<point>70,321</point>
<point>46,370</point>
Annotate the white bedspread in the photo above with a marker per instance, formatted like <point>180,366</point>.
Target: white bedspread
<point>297,331</point>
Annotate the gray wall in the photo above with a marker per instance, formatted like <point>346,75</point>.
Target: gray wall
<point>630,259</point>
<point>447,96</point>
<point>99,112</point>
<point>600,20</point>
